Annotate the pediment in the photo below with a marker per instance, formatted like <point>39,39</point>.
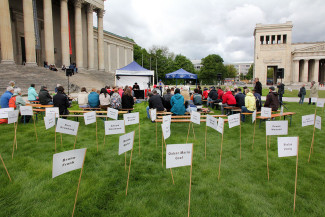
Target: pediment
<point>314,48</point>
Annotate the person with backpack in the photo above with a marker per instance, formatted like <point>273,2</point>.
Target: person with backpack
<point>116,100</point>
<point>196,97</point>
<point>4,100</point>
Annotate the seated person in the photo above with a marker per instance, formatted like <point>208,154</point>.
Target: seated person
<point>196,97</point>
<point>32,95</point>
<point>177,102</point>
<point>250,104</point>
<point>83,98</point>
<point>44,96</point>
<point>116,100</point>
<point>61,100</point>
<point>136,86</point>
<point>213,97</point>
<point>155,102</point>
<point>93,99</point>
<point>258,100</point>
<point>227,100</point>
<point>272,99</point>
<point>104,99</point>
<point>240,98</point>
<point>166,100</point>
<point>4,100</point>
<point>127,99</point>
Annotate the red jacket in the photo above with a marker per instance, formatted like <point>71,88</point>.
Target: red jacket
<point>205,94</point>
<point>228,98</point>
<point>220,94</point>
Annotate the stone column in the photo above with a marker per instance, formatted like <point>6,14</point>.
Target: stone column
<point>125,56</point>
<point>295,76</point>
<point>90,30</point>
<point>65,33</point>
<point>100,38</point>
<point>48,32</point>
<point>7,53</point>
<point>117,57</point>
<point>78,32</point>
<point>316,71</point>
<point>29,33</point>
<point>305,71</point>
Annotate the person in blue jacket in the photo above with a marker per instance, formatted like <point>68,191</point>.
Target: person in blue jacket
<point>32,94</point>
<point>4,100</point>
<point>93,99</point>
<point>177,103</point>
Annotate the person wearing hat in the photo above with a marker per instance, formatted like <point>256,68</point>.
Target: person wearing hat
<point>136,86</point>
<point>272,99</point>
<point>44,96</point>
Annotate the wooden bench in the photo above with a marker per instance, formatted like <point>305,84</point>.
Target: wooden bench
<point>81,116</point>
<point>189,116</point>
<point>186,120</point>
<point>230,108</point>
<point>129,110</point>
<point>284,115</point>
<point>90,109</point>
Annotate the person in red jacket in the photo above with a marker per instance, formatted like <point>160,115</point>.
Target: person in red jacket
<point>220,93</point>
<point>205,93</point>
<point>228,99</point>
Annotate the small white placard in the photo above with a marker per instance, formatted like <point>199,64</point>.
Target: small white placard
<point>126,142</point>
<point>290,89</point>
<point>221,123</point>
<point>49,121</point>
<point>26,110</point>
<point>67,161</point>
<point>112,113</point>
<point>4,112</point>
<point>314,99</point>
<point>53,110</point>
<point>320,103</point>
<point>276,128</point>
<point>254,116</point>
<point>212,122</point>
<point>67,127</point>
<point>13,116</point>
<point>114,127</point>
<point>318,122</point>
<point>90,117</point>
<point>131,118</point>
<point>281,111</point>
<point>166,130</point>
<point>195,117</point>
<point>153,114</point>
<point>307,120</point>
<point>266,112</point>
<point>234,120</point>
<point>287,146</point>
<point>178,155</point>
<point>167,119</point>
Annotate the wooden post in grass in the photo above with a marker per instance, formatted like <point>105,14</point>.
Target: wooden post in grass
<point>294,198</point>
<point>220,153</point>
<point>16,134</point>
<point>189,194</point>
<point>127,183</point>
<point>267,159</point>
<point>35,128</point>
<point>240,139</point>
<point>206,128</point>
<point>7,170</point>
<point>254,135</point>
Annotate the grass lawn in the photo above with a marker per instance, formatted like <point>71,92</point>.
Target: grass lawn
<point>243,189</point>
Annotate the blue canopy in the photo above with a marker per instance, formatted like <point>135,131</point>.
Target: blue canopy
<point>182,74</point>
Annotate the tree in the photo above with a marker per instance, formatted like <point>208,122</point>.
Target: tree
<point>231,71</point>
<point>212,66</point>
<point>184,63</point>
<point>270,73</point>
<point>249,74</point>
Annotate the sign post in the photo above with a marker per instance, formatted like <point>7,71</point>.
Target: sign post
<point>3,163</point>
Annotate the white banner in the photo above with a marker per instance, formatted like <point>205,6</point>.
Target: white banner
<point>53,110</point>
<point>281,111</point>
<point>4,112</point>
<point>67,161</point>
<point>114,127</point>
<point>287,146</point>
<point>212,122</point>
<point>220,127</point>
<point>90,117</point>
<point>67,127</point>
<point>195,117</point>
<point>13,116</point>
<point>26,110</point>
<point>112,113</point>
<point>307,120</point>
<point>126,142</point>
<point>266,112</point>
<point>318,122</point>
<point>276,128</point>
<point>131,118</point>
<point>313,99</point>
<point>178,155</point>
<point>166,130</point>
<point>49,121</point>
<point>167,119</point>
<point>254,116</point>
<point>320,103</point>
<point>153,114</point>
<point>234,120</point>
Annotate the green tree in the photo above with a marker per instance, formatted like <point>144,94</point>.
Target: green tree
<point>184,63</point>
<point>231,71</point>
<point>270,73</point>
<point>212,66</point>
<point>249,74</point>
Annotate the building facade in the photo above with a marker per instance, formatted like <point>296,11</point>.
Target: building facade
<point>60,32</point>
<point>273,48</point>
<point>242,68</point>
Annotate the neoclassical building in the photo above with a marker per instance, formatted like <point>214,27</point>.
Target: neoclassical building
<point>273,48</point>
<point>60,32</point>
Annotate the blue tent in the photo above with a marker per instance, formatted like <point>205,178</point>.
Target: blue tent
<point>182,74</point>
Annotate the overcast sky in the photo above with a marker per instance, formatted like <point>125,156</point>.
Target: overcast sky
<point>197,28</point>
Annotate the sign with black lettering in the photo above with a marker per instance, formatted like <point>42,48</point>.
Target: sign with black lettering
<point>266,112</point>
<point>112,113</point>
<point>26,110</point>
<point>166,130</point>
<point>234,120</point>
<point>13,116</point>
<point>287,146</point>
<point>167,119</point>
<point>221,123</point>
<point>178,155</point>
<point>307,120</point>
<point>318,122</point>
<point>153,114</point>
<point>53,110</point>
<point>320,103</point>
<point>49,121</point>
<point>4,112</point>
<point>131,118</point>
<point>276,128</point>
<point>67,127</point>
<point>195,117</point>
<point>126,142</point>
<point>212,122</point>
<point>114,127</point>
<point>90,117</point>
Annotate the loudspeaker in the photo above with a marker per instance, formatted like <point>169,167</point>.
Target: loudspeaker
<point>280,73</point>
<point>69,72</point>
<point>219,76</point>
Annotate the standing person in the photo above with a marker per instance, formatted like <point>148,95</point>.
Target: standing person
<point>250,104</point>
<point>280,87</point>
<point>136,86</point>
<point>177,103</point>
<point>302,94</point>
<point>104,99</point>
<point>127,99</point>
<point>32,95</point>
<point>44,96</point>
<point>4,100</point>
<point>116,100</point>
<point>272,100</point>
<point>313,92</point>
<point>166,100</point>
<point>83,98</point>
<point>93,98</point>
<point>258,86</point>
<point>61,100</point>
<point>155,102</point>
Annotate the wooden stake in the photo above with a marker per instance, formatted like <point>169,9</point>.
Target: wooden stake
<point>267,160</point>
<point>35,129</point>
<point>75,201</point>
<point>294,198</point>
<point>156,135</point>
<point>254,135</point>
<point>240,138</point>
<point>7,170</point>
<point>96,135</point>
<point>139,137</point>
<point>171,172</point>
<point>16,134</point>
<point>188,132</point>
<point>189,194</point>
<point>220,153</point>
<point>74,145</point>
<point>127,183</point>
<point>206,127</point>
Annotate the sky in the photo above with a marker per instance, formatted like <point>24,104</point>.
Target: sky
<point>197,28</point>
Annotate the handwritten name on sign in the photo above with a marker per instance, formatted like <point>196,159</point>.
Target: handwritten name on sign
<point>153,114</point>
<point>90,117</point>
<point>131,118</point>
<point>266,112</point>
<point>4,112</point>
<point>166,130</point>
<point>112,113</point>
<point>126,142</point>
<point>167,119</point>
<point>26,110</point>
<point>67,161</point>
<point>276,128</point>
<point>53,110</point>
<point>287,146</point>
<point>195,117</point>
<point>307,120</point>
<point>320,103</point>
<point>254,116</point>
<point>221,124</point>
<point>67,127</point>
<point>13,116</point>
<point>234,120</point>
<point>49,121</point>
<point>114,127</point>
<point>318,122</point>
<point>178,155</point>
<point>212,122</point>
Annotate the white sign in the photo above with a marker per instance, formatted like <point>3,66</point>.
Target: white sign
<point>212,122</point>
<point>167,119</point>
<point>131,118</point>
<point>166,130</point>
<point>221,123</point>
<point>234,120</point>
<point>126,142</point>
<point>49,121</point>
<point>276,128</point>
<point>287,146</point>
<point>195,117</point>
<point>4,112</point>
<point>290,89</point>
<point>53,110</point>
<point>307,120</point>
<point>153,114</point>
<point>26,110</point>
<point>178,155</point>
<point>90,117</point>
<point>281,111</point>
<point>13,116</point>
<point>318,122</point>
<point>114,127</point>
<point>254,116</point>
<point>112,113</point>
<point>266,112</point>
<point>320,103</point>
<point>67,161</point>
<point>313,99</point>
<point>67,127</point>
